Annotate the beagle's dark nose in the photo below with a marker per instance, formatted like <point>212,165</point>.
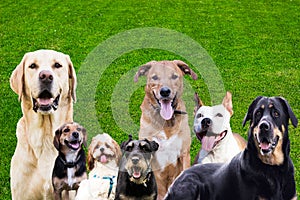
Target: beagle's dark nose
<point>75,134</point>
<point>46,76</point>
<point>206,122</point>
<point>165,91</point>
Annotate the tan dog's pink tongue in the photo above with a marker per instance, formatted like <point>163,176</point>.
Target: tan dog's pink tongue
<point>166,110</point>
<point>103,159</point>
<point>208,143</point>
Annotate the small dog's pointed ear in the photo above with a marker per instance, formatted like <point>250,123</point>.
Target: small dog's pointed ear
<point>143,70</point>
<point>186,69</point>
<point>289,111</point>
<point>198,103</point>
<point>56,138</point>
<point>124,144</point>
<point>249,114</point>
<point>154,146</point>
<point>227,102</point>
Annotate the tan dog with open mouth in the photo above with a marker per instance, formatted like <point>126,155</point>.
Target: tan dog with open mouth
<point>103,161</point>
<point>164,119</point>
<point>212,128</point>
<point>70,165</point>
<point>45,81</point>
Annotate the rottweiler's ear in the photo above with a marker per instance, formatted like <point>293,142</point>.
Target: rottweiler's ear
<point>56,138</point>
<point>143,70</point>
<point>186,69</point>
<point>251,109</point>
<point>288,109</point>
<point>154,146</point>
<point>198,103</point>
<point>124,144</point>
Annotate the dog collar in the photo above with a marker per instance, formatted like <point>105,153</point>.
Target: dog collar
<point>70,164</point>
<point>111,183</point>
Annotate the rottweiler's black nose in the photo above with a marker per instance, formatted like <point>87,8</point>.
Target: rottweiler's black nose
<point>165,91</point>
<point>206,122</point>
<point>264,126</point>
<point>75,134</point>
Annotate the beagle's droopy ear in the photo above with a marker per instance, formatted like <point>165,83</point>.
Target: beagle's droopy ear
<point>227,102</point>
<point>56,138</point>
<point>17,81</point>
<point>143,70</point>
<point>186,69</point>
<point>72,79</point>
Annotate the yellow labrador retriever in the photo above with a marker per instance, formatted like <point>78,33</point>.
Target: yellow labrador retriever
<point>45,81</point>
<point>164,119</point>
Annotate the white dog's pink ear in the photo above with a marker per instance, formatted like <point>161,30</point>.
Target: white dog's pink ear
<point>72,79</point>
<point>227,103</point>
<point>198,103</point>
<point>17,78</point>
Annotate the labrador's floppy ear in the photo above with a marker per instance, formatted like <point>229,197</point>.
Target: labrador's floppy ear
<point>72,79</point>
<point>17,80</point>
<point>289,111</point>
<point>186,69</point>
<point>249,114</point>
<point>143,70</point>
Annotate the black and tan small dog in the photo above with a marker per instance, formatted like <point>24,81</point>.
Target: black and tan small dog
<point>264,170</point>
<point>136,180</point>
<point>70,165</point>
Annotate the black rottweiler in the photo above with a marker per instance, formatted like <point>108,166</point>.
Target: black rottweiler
<point>136,179</point>
<point>263,170</point>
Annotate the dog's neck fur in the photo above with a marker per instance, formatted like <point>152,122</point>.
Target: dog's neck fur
<point>108,169</point>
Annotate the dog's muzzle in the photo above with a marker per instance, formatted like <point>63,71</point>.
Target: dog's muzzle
<point>74,142</point>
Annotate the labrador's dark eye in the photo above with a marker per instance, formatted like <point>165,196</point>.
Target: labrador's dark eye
<point>57,65</point>
<point>33,66</point>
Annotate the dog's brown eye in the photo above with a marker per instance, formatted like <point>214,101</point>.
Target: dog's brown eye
<point>66,130</point>
<point>276,114</point>
<point>258,114</point>
<point>219,115</point>
<point>155,77</point>
<point>32,66</point>
<point>107,145</point>
<point>174,76</point>
<point>57,65</point>
<point>78,129</point>
<point>199,115</point>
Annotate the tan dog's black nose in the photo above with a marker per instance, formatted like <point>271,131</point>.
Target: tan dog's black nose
<point>46,76</point>
<point>75,134</point>
<point>165,91</point>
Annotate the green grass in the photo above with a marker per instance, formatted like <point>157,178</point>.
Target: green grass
<point>254,44</point>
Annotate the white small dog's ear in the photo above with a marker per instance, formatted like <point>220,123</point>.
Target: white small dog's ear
<point>72,78</point>
<point>227,103</point>
<point>17,78</point>
<point>198,103</point>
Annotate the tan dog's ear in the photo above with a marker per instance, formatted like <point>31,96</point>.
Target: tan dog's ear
<point>91,159</point>
<point>143,70</point>
<point>227,102</point>
<point>186,69</point>
<point>17,78</point>
<point>72,79</point>
<point>198,103</point>
<point>118,151</point>
<point>56,138</point>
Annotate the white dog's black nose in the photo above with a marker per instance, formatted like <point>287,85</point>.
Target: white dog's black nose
<point>46,76</point>
<point>206,122</point>
<point>165,91</point>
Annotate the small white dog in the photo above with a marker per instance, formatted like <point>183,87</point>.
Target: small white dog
<point>104,155</point>
<point>212,128</point>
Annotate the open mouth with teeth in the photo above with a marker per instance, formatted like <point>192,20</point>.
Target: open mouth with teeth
<point>266,145</point>
<point>136,172</point>
<point>74,144</point>
<point>45,102</point>
<point>166,107</point>
<point>210,140</point>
